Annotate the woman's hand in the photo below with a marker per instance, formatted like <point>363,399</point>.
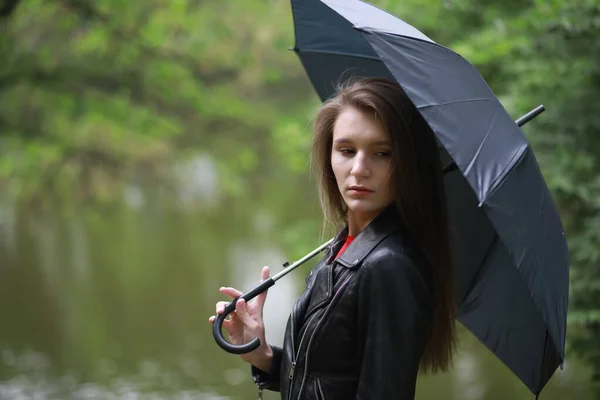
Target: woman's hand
<point>246,323</point>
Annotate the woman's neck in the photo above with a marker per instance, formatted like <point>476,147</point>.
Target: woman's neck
<point>358,221</point>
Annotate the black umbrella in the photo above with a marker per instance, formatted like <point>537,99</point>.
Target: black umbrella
<point>511,252</point>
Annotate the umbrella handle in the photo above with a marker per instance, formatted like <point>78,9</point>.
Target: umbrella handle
<point>229,308</point>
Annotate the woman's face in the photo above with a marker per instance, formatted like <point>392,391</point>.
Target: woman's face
<point>361,159</point>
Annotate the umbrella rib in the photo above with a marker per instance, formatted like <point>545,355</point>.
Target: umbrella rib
<point>373,31</point>
<point>476,155</point>
<point>516,158</point>
<point>337,53</point>
<point>452,102</point>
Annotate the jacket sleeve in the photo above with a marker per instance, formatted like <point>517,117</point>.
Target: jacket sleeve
<point>271,380</point>
<point>393,316</point>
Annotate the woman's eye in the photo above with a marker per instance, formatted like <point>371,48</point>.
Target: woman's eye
<point>383,153</point>
<point>347,151</point>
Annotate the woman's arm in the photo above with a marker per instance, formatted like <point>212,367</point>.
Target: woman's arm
<point>394,312</point>
<point>269,379</point>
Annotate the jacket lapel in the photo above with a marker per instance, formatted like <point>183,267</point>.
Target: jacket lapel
<point>313,296</point>
<point>382,226</point>
<point>320,282</point>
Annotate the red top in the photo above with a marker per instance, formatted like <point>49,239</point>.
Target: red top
<point>349,240</point>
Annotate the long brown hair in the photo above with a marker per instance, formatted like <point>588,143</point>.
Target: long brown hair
<point>418,183</point>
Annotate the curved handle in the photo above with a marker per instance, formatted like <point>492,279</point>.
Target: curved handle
<point>229,308</point>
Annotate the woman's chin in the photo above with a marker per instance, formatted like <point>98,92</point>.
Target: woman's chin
<point>362,207</point>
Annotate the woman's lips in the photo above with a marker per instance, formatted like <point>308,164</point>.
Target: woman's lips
<point>358,191</point>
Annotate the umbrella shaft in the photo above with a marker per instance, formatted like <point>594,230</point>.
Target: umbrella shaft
<point>530,115</point>
<point>301,261</point>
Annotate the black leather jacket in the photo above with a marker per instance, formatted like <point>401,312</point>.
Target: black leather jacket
<point>360,328</point>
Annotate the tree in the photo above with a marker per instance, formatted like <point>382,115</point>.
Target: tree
<point>95,91</point>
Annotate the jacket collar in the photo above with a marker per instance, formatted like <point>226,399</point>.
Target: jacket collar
<point>387,222</point>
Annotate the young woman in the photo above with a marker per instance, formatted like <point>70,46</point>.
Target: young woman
<point>379,307</point>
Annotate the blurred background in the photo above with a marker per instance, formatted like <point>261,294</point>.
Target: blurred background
<point>153,151</point>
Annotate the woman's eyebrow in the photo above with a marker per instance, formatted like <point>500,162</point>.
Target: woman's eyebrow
<point>382,143</point>
<point>377,143</point>
<point>342,141</point>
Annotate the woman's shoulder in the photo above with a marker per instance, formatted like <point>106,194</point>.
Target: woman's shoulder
<point>396,257</point>
<point>396,248</point>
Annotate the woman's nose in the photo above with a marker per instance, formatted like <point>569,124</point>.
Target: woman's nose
<point>360,165</point>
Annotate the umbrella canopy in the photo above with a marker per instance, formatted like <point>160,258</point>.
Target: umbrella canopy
<point>511,252</point>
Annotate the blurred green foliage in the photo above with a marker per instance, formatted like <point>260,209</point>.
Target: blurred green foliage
<point>97,93</point>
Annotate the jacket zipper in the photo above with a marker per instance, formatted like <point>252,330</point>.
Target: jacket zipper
<point>329,306</point>
<point>328,251</point>
<point>294,352</point>
<point>295,355</point>
<point>291,374</point>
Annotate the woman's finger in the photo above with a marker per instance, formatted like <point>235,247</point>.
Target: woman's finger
<point>220,307</point>
<point>230,316</point>
<point>231,292</point>
<point>264,274</point>
<point>261,298</point>
<point>242,314</point>
<point>227,322</point>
